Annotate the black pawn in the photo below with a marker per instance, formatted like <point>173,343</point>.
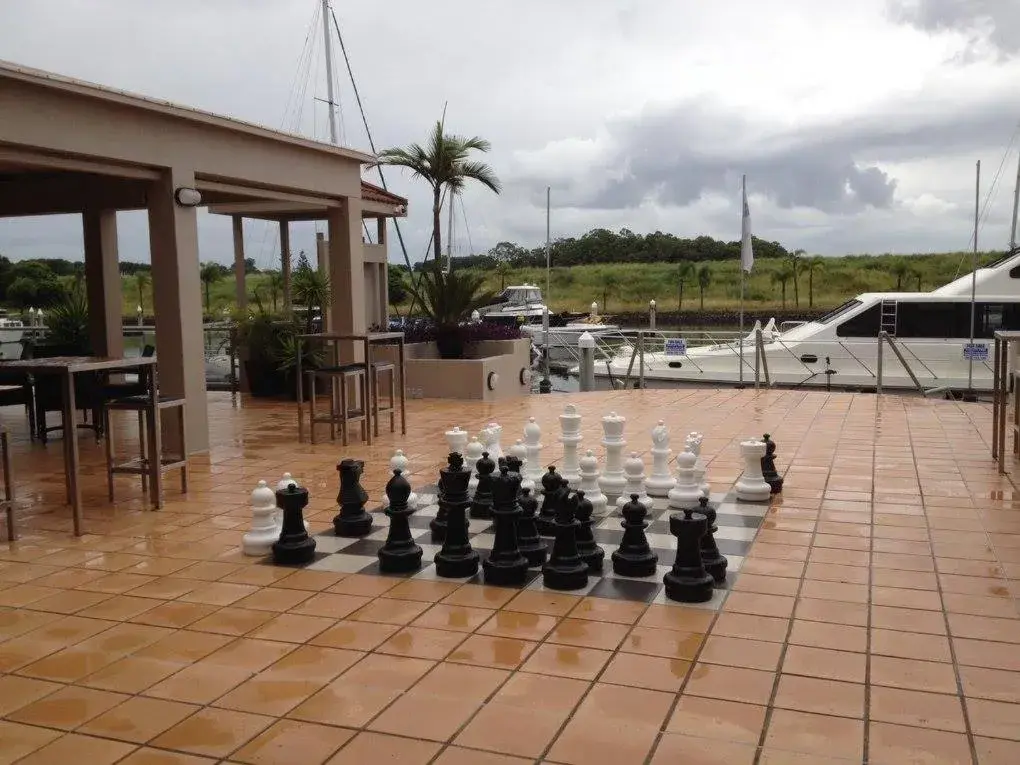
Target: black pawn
<point>294,545</point>
<point>550,497</point>
<point>715,562</point>
<point>457,559</point>
<point>532,546</point>
<point>505,564</point>
<point>634,557</point>
<point>687,581</point>
<point>352,520</point>
<point>481,504</point>
<point>768,466</point>
<point>438,525</point>
<point>565,570</point>
<point>399,554</point>
<point>587,548</point>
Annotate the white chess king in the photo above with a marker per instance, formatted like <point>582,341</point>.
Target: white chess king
<point>751,486</point>
<point>660,481</point>
<point>264,529</point>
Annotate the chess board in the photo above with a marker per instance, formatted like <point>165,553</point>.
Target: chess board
<point>738,523</point>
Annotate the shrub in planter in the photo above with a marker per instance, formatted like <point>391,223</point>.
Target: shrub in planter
<point>271,342</point>
<point>447,300</point>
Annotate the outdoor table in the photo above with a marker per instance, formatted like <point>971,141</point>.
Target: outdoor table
<point>67,367</point>
<point>367,341</point>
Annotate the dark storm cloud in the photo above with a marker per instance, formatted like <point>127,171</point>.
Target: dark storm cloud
<point>996,22</point>
<point>675,156</point>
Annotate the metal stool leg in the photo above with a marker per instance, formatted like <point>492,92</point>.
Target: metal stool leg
<point>311,410</point>
<point>108,448</point>
<point>143,437</point>
<point>184,450</point>
<point>156,458</point>
<point>343,409</point>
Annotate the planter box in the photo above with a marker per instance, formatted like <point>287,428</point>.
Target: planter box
<point>496,370</point>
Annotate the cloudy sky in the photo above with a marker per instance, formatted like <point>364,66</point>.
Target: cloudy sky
<point>857,123</point>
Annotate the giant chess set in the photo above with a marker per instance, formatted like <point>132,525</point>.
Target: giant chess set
<point>501,519</point>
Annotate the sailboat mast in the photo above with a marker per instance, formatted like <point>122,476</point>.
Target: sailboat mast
<point>1016,207</point>
<point>329,74</point>
<point>449,236</point>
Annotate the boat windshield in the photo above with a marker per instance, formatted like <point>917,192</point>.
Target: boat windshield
<point>847,306</point>
<point>521,295</point>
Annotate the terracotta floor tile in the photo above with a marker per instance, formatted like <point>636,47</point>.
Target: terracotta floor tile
<point>838,637</point>
<point>717,719</point>
<point>540,693</point>
<point>456,618</point>
<point>147,756</point>
<point>731,683</point>
<point>17,692</point>
<point>213,732</point>
<point>833,572</point>
<point>422,643</point>
<point>766,585</point>
<point>292,628</point>
<point>199,683</point>
<point>72,747</point>
<point>361,636</point>
<point>923,710</point>
<point>815,734</point>
<point>423,590</point>
<point>608,610</point>
<point>260,576</point>
<point>131,674</point>
<point>550,603</point>
<point>980,606</point>
<point>16,740</point>
<point>461,681</point>
<point>995,684</point>
<point>269,693</point>
<point>984,628</point>
<point>994,718</point>
<point>249,653</point>
<point>289,741</point>
<point>329,604</point>
<point>517,624</point>
<point>218,594</point>
<point>366,586</point>
<point>931,676</point>
<point>174,613</point>
<point>984,653</point>
<point>770,756</point>
<point>207,571</point>
<point>825,663</point>
<point>994,751</point>
<point>391,672</point>
<point>676,618</point>
<point>589,634</point>
<point>489,651</point>
<point>368,747</point>
<point>651,672</point>
<point>827,697</point>
<point>908,620</point>
<point>897,744</point>
<point>752,627</point>
<point>184,646</point>
<point>421,715</point>
<point>456,755</point>
<point>138,719</point>
<point>739,652</point>
<point>273,599</point>
<point>389,611</point>
<point>760,605</point>
<point>232,621</point>
<point>314,581</point>
<point>66,602</point>
<point>23,594</point>
<point>677,747</point>
<point>771,567</point>
<point>67,708</point>
<point>68,665</point>
<point>910,645</point>
<point>567,661</point>
<point>832,612</point>
<point>918,580</point>
<point>17,622</point>
<point>515,730</point>
<point>906,598</point>
<point>480,597</point>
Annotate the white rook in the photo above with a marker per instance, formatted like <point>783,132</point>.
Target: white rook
<point>751,486</point>
<point>457,440</point>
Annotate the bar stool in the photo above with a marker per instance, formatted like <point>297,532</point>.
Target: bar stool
<point>151,464</point>
<point>380,368</point>
<point>8,501</point>
<point>339,379</point>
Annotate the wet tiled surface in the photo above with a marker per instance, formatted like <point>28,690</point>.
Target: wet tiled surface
<point>874,618</point>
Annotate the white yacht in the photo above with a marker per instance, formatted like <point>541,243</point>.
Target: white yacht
<point>11,333</point>
<point>522,301</point>
<point>930,330</point>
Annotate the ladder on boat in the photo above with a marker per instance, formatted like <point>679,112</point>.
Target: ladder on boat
<point>888,317</point>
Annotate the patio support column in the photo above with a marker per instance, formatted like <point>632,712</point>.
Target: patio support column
<point>322,258</point>
<point>285,262</point>
<point>347,274</point>
<point>177,295</point>
<point>102,282</point>
<point>240,287</point>
<point>384,275</point>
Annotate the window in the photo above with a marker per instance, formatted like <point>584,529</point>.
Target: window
<point>952,320</point>
<point>839,311</point>
<point>864,324</point>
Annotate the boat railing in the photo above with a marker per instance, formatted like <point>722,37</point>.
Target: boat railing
<point>219,349</point>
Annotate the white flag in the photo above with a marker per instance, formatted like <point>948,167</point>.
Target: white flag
<point>746,251</point>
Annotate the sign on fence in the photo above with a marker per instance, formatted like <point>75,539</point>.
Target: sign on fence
<point>975,351</point>
<point>676,346</point>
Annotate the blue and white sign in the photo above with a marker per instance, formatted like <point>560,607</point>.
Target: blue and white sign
<point>975,351</point>
<point>676,346</point>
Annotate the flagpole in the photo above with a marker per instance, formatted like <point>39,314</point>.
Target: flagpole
<point>743,186</point>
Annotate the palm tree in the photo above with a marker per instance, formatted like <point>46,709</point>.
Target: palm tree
<point>502,271</point>
<point>684,274</point>
<point>609,284</point>
<point>795,265</point>
<point>812,265</point>
<point>704,276</point>
<point>781,276</point>
<point>210,274</point>
<point>142,281</point>
<point>444,164</point>
<point>901,271</point>
<point>311,289</point>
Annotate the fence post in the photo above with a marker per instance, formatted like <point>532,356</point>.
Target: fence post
<point>757,359</point>
<point>878,366</point>
<point>651,314</point>
<point>641,360</point>
<point>545,385</point>
<point>586,344</point>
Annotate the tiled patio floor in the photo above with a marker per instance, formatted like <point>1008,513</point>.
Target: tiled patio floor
<point>875,618</point>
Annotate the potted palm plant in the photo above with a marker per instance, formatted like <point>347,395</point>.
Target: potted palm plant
<point>447,301</point>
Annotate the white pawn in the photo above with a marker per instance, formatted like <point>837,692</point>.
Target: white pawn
<point>693,443</point>
<point>400,462</point>
<point>533,445</point>
<point>286,481</point>
<point>686,493</point>
<point>660,481</point>
<point>491,434</point>
<point>590,483</point>
<point>520,451</point>
<point>474,453</point>
<point>570,425</point>
<point>751,486</point>
<point>264,528</point>
<point>456,440</point>
<point>634,469</point>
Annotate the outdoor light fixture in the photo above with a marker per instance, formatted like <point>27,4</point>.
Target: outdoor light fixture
<point>400,209</point>
<point>187,197</point>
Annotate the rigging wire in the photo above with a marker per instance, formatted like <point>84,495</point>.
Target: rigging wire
<point>467,228</point>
